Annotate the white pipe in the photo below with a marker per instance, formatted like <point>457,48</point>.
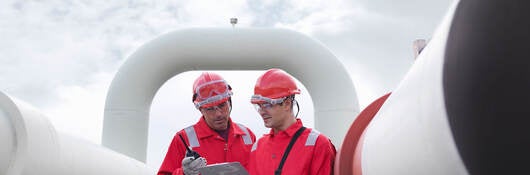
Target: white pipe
<point>411,134</point>
<point>7,148</point>
<point>32,146</point>
<point>130,95</point>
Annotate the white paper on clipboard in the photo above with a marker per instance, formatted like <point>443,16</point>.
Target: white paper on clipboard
<point>228,168</point>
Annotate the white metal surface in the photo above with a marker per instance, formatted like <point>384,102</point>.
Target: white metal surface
<point>411,134</point>
<point>128,101</point>
<point>7,148</point>
<point>33,147</point>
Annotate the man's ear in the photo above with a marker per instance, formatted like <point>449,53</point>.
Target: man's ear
<point>287,104</point>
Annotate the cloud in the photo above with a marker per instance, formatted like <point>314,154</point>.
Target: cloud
<point>46,46</point>
<point>79,109</point>
<point>209,14</point>
<point>303,16</point>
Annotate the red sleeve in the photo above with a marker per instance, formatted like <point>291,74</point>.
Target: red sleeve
<point>172,164</point>
<point>323,157</point>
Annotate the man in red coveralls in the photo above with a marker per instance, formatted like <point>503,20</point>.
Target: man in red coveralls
<point>215,137</point>
<point>312,153</point>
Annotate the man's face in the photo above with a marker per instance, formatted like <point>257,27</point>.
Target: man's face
<point>217,116</point>
<point>273,115</point>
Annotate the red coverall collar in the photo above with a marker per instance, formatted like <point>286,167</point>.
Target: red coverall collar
<point>290,130</point>
<point>203,130</point>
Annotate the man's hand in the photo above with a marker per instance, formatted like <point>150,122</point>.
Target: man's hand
<point>191,166</point>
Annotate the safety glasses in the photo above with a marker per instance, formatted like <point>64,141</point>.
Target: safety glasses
<point>261,103</point>
<point>212,99</point>
<point>258,99</point>
<point>262,106</point>
<point>213,109</point>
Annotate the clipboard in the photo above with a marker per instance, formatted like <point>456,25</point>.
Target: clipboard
<point>227,168</point>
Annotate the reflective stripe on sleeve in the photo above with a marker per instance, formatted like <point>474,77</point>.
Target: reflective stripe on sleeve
<point>312,138</point>
<point>246,137</point>
<point>192,136</point>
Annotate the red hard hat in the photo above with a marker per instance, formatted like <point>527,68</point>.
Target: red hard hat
<point>210,89</point>
<point>274,84</point>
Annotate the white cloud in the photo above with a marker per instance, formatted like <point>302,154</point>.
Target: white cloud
<point>204,13</point>
<point>79,109</point>
<point>323,16</point>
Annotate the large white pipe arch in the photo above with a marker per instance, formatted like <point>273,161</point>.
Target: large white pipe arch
<point>126,119</point>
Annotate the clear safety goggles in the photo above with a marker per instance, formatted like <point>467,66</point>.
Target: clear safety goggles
<point>261,102</point>
<point>211,92</point>
<point>213,109</point>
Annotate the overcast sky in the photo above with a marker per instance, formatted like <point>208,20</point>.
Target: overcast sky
<point>61,56</point>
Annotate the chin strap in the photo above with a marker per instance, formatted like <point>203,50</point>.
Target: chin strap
<point>297,108</point>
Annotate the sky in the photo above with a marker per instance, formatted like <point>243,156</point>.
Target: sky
<point>61,56</point>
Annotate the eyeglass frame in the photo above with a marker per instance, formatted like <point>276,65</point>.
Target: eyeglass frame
<point>268,104</point>
<point>213,109</point>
